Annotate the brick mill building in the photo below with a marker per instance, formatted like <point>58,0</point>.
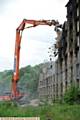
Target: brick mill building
<point>66,71</point>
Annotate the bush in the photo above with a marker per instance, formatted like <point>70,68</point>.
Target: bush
<point>72,95</point>
<point>7,104</point>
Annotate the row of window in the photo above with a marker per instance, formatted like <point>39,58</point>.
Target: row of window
<point>47,81</point>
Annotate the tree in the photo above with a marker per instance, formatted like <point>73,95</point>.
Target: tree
<point>72,95</point>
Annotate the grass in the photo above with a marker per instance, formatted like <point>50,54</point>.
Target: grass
<point>55,112</point>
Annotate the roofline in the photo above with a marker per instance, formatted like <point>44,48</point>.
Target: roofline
<point>68,3</point>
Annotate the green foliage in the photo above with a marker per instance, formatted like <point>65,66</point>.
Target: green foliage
<point>28,82</point>
<point>72,95</point>
<point>29,77</point>
<point>54,112</point>
<point>7,104</point>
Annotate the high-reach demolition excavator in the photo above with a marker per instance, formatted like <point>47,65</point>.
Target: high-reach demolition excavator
<point>25,24</point>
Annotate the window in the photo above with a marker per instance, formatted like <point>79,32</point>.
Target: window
<point>66,74</point>
<point>77,26</point>
<point>66,83</point>
<point>77,40</point>
<point>70,8</point>
<point>61,88</point>
<point>77,82</point>
<point>77,1</point>
<point>71,73</point>
<point>77,11</point>
<point>54,88</point>
<point>77,71</point>
<point>57,88</point>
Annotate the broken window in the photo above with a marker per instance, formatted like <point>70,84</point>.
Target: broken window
<point>77,40</point>
<point>77,11</point>
<point>66,74</point>
<point>57,89</point>
<point>77,26</point>
<point>53,88</point>
<point>71,74</point>
<point>77,1</point>
<point>77,82</point>
<point>66,84</point>
<point>61,87</point>
<point>77,71</point>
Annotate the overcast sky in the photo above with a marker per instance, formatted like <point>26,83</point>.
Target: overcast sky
<point>35,41</point>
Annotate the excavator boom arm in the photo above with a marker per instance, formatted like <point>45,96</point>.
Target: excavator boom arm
<point>36,23</point>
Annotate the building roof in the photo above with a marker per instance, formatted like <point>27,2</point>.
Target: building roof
<point>68,3</point>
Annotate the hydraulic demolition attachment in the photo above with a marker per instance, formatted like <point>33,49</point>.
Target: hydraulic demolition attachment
<point>24,25</point>
<point>57,45</point>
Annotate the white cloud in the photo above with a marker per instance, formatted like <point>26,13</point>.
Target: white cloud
<point>34,40</point>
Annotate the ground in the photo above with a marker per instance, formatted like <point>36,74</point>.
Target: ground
<point>55,112</point>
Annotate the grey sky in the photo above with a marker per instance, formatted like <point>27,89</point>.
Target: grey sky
<point>35,41</point>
